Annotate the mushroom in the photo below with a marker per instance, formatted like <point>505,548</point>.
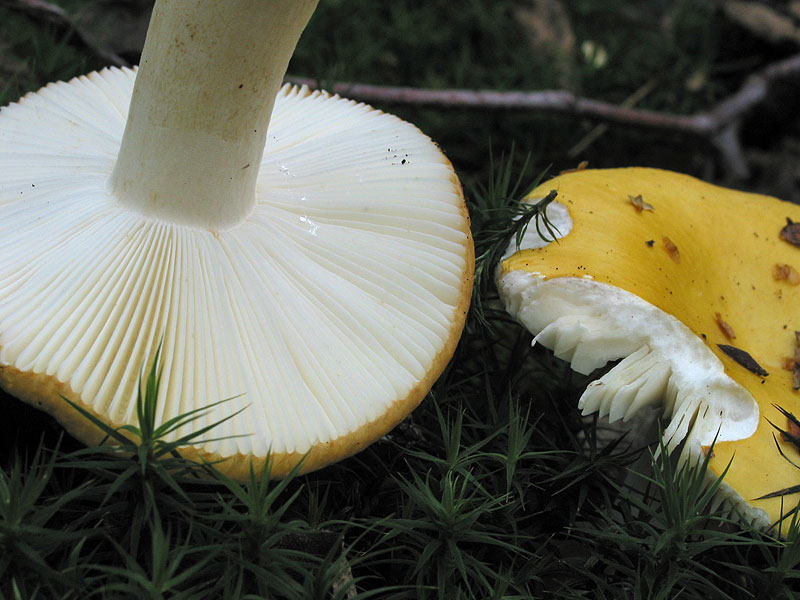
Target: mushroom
<point>316,273</point>
<point>684,295</point>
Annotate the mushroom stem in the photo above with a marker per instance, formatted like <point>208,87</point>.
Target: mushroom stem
<point>201,105</point>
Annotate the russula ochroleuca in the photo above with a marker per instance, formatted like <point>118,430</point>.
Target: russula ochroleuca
<point>695,288</point>
<point>304,255</point>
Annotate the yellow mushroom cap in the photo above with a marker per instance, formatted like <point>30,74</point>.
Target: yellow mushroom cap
<point>686,282</point>
<point>326,314</point>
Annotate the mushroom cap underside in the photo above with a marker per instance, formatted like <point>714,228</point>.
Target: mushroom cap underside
<point>690,285</point>
<point>326,315</point>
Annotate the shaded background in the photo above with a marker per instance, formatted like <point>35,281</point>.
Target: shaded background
<point>671,56</point>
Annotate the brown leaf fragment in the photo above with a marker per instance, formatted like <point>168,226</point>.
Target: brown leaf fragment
<point>547,28</point>
<point>744,359</point>
<point>791,232</point>
<point>706,450</point>
<point>727,330</point>
<point>581,166</point>
<point>792,430</point>
<point>786,273</point>
<point>792,364</point>
<point>639,204</point>
<point>671,249</point>
<point>796,374</point>
<point>775,22</point>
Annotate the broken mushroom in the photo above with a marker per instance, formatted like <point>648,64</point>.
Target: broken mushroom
<point>316,272</point>
<point>600,294</point>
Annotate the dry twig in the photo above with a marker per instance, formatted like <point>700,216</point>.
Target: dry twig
<point>719,126</point>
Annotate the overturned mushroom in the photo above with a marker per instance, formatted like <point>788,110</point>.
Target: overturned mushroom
<point>317,272</point>
<point>602,293</point>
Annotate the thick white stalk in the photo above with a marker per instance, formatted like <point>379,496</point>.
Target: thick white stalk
<point>204,93</point>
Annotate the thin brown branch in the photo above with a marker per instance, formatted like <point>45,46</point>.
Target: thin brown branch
<point>719,126</point>
<point>545,101</point>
